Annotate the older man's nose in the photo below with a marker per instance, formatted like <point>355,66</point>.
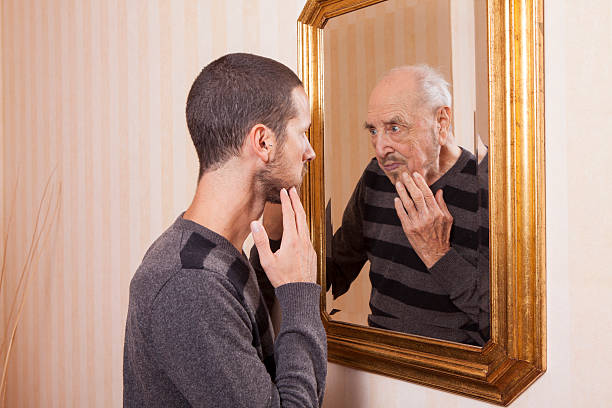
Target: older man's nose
<point>381,146</point>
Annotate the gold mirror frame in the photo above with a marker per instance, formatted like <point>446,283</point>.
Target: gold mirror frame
<point>516,355</point>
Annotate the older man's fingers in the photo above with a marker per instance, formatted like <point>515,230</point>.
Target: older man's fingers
<point>425,190</point>
<point>406,200</point>
<point>415,192</point>
<point>401,213</point>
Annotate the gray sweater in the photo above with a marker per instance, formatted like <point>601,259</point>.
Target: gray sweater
<point>198,332</point>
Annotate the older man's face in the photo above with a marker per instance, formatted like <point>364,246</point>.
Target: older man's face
<point>402,132</point>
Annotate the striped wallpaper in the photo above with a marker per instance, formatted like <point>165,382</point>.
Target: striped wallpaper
<point>96,90</point>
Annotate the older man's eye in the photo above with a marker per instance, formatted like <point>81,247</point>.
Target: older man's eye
<point>395,129</point>
<point>373,131</point>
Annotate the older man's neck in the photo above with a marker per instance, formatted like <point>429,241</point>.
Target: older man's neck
<point>449,154</point>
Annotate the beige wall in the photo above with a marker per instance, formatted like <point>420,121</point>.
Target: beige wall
<point>127,169</point>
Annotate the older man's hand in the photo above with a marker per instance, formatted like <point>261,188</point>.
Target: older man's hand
<point>425,218</point>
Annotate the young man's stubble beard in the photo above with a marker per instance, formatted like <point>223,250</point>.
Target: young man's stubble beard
<point>275,177</point>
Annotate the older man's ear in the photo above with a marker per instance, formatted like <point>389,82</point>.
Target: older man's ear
<point>443,121</point>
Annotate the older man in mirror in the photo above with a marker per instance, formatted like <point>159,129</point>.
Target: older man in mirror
<point>418,214</point>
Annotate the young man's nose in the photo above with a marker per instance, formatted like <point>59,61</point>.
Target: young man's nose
<point>309,154</point>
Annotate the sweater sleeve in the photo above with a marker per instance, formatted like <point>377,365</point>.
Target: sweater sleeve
<point>468,288</point>
<point>348,254</point>
<point>468,283</point>
<point>203,336</point>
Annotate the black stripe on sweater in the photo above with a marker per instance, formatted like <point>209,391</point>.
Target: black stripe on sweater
<point>395,253</point>
<point>194,252</point>
<point>483,195</point>
<point>238,274</point>
<point>378,312</point>
<point>261,317</point>
<point>483,236</point>
<point>459,236</point>
<point>381,215</point>
<point>470,168</point>
<point>464,237</point>
<point>410,296</point>
<point>461,198</point>
<point>378,182</point>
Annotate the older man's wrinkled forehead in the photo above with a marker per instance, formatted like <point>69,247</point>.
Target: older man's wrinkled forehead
<point>396,91</point>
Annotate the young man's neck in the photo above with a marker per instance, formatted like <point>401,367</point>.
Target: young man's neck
<point>225,202</point>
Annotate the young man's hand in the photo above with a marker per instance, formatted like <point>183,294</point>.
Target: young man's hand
<point>296,260</point>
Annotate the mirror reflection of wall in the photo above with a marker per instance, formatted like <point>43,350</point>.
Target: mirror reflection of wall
<point>359,48</point>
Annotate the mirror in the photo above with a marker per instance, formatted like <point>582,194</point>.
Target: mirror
<point>377,279</point>
<point>490,53</point>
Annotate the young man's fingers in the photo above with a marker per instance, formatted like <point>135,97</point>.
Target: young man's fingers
<point>415,193</point>
<point>289,229</point>
<point>405,199</point>
<point>300,214</point>
<point>260,238</point>
<point>425,190</point>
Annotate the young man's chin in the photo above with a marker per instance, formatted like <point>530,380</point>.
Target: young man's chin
<point>274,195</point>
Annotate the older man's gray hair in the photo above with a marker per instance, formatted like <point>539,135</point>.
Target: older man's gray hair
<point>434,89</point>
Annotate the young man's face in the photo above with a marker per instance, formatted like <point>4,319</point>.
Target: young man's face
<point>289,164</point>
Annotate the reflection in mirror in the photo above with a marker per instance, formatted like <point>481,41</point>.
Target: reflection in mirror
<point>406,92</point>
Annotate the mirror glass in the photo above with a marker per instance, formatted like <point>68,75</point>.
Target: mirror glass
<point>428,276</point>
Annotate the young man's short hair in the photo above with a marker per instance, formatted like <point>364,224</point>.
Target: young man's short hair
<point>229,97</point>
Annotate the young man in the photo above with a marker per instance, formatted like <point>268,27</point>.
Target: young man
<point>198,331</point>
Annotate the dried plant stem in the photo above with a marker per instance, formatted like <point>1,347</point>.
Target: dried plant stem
<point>7,233</point>
<point>41,229</point>
<point>26,265</point>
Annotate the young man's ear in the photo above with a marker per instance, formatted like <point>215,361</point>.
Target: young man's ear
<point>443,123</point>
<point>261,140</point>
